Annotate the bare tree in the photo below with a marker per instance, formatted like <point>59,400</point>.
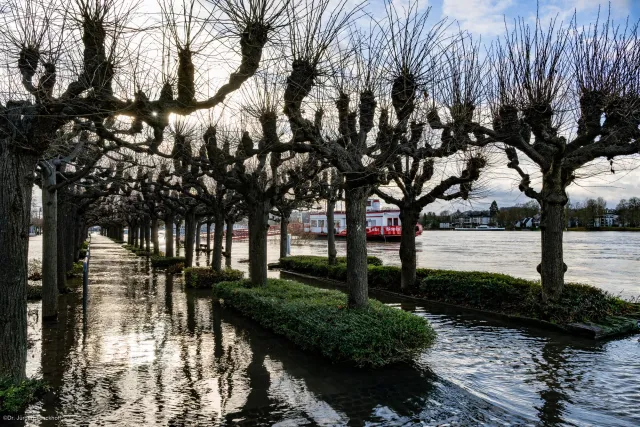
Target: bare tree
<point>565,97</point>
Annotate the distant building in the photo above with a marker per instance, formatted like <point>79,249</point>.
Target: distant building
<point>528,222</point>
<point>471,219</point>
<point>608,219</point>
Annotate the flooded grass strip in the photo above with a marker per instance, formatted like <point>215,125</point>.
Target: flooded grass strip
<point>581,309</point>
<point>318,320</point>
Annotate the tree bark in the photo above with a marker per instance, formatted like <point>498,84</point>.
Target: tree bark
<point>228,244</point>
<point>409,219</point>
<point>331,233</point>
<point>178,238</point>
<point>168,235</point>
<point>50,244</point>
<point>208,236</point>
<point>216,262</point>
<point>356,206</point>
<point>552,267</point>
<point>147,235</point>
<point>197,233</point>
<point>62,250</point>
<point>284,234</point>
<point>258,228</point>
<point>16,176</point>
<point>189,235</point>
<point>154,236</point>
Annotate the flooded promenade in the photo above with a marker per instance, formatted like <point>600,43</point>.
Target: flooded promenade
<point>151,352</point>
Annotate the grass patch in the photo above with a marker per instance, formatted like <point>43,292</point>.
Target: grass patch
<point>14,398</point>
<point>205,277</point>
<point>485,291</point>
<point>317,320</point>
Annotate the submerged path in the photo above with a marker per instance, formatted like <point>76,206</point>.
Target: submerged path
<point>151,352</point>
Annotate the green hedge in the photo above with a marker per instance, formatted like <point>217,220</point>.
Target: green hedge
<point>205,277</point>
<point>34,292</point>
<point>76,270</point>
<point>14,398</point>
<point>481,290</point>
<point>317,320</point>
<point>165,262</point>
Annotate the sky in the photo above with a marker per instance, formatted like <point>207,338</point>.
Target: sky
<point>486,19</point>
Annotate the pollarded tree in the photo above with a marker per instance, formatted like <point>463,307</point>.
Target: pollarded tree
<point>436,163</point>
<point>565,97</point>
<point>34,36</point>
<point>367,137</point>
<point>260,176</point>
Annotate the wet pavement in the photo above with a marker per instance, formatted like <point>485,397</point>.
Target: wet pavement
<point>150,352</point>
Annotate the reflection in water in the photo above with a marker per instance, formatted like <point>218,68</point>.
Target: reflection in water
<point>155,353</point>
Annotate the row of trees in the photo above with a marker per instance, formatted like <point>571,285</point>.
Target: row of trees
<point>317,105</point>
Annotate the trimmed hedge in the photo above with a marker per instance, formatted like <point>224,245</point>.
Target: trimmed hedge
<point>34,292</point>
<point>318,320</point>
<point>14,398</point>
<point>76,270</point>
<point>485,291</point>
<point>206,277</point>
<point>166,262</point>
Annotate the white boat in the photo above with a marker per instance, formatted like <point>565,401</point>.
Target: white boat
<point>481,228</point>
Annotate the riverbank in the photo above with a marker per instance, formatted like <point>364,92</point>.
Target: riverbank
<point>604,229</point>
<point>582,310</point>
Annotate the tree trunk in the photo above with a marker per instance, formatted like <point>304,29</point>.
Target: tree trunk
<point>409,219</point>
<point>197,232</point>
<point>552,267</point>
<point>228,244</point>
<point>189,234</point>
<point>216,262</point>
<point>284,234</point>
<point>16,176</point>
<point>61,249</point>
<point>154,236</point>
<point>331,233</point>
<point>178,238</point>
<point>147,235</point>
<point>208,237</point>
<point>356,206</point>
<point>168,236</point>
<point>258,228</point>
<point>50,244</point>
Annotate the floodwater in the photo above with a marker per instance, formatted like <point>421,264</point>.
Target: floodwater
<point>151,352</point>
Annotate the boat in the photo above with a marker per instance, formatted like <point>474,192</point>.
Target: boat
<point>382,224</point>
<point>481,228</point>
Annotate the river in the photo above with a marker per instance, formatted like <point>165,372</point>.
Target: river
<point>151,352</point>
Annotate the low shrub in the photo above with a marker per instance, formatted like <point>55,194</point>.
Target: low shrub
<point>166,262</point>
<point>318,320</point>
<point>76,270</point>
<point>204,277</point>
<point>485,291</point>
<point>34,292</point>
<point>34,269</point>
<point>175,268</point>
<point>14,398</point>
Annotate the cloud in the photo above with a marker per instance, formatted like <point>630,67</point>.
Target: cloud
<point>480,17</point>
